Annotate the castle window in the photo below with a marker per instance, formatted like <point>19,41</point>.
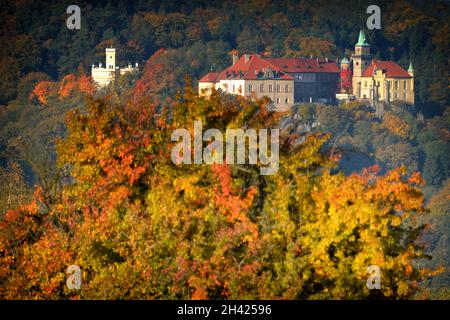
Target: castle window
<point>404,95</point>
<point>234,88</point>
<point>404,85</point>
<point>357,63</point>
<point>286,100</point>
<point>286,88</point>
<point>278,100</point>
<point>250,88</point>
<point>261,88</point>
<point>270,88</point>
<point>111,66</point>
<point>278,88</point>
<point>365,84</point>
<point>396,84</point>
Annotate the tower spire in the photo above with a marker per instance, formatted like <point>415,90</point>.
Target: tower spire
<point>411,69</point>
<point>362,39</point>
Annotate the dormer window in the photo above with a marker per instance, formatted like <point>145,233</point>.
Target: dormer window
<point>268,73</point>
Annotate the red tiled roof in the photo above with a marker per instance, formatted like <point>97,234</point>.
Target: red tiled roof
<point>251,69</point>
<point>391,69</point>
<point>210,77</point>
<point>304,65</point>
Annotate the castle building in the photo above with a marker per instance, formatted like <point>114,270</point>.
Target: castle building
<point>295,80</point>
<point>284,81</point>
<point>315,80</point>
<point>103,76</point>
<point>375,80</point>
<point>253,77</point>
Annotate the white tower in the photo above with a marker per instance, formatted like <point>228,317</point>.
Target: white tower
<point>104,76</point>
<point>110,58</point>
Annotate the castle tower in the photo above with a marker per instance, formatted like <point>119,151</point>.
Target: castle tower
<point>345,64</point>
<point>411,85</point>
<point>110,58</point>
<point>411,69</point>
<point>104,76</point>
<point>362,58</point>
<point>346,76</point>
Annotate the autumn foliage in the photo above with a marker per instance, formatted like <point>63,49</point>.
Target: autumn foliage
<point>43,90</point>
<point>396,125</point>
<point>71,83</point>
<point>141,227</point>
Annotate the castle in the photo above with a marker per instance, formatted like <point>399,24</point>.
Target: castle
<point>287,81</point>
<point>284,81</point>
<point>374,80</point>
<point>104,76</point>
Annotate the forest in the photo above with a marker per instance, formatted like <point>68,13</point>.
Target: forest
<point>86,176</point>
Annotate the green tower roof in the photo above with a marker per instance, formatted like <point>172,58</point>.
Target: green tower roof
<point>410,69</point>
<point>345,61</point>
<point>362,39</point>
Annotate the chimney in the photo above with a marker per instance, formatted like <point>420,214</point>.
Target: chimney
<point>235,58</point>
<point>246,57</point>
